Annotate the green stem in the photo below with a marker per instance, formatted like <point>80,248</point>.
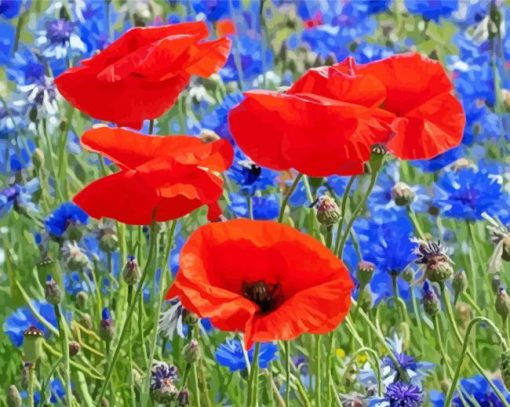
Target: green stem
<point>286,345</point>
<point>439,339</point>
<point>329,360</point>
<point>287,196</point>
<point>345,198</point>
<point>458,336</point>
<point>253,378</point>
<point>357,211</point>
<point>318,357</point>
<point>414,221</point>
<point>129,315</point>
<point>31,384</point>
<point>65,354</point>
<point>465,351</point>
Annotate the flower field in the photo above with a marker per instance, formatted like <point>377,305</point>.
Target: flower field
<point>255,203</point>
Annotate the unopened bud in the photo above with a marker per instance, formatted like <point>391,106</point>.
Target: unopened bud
<point>86,321</point>
<point>505,254</point>
<point>208,136</point>
<point>131,272</point>
<point>496,283</point>
<point>108,242</point>
<point>364,272</point>
<point>183,398</point>
<point>327,211</point>
<point>74,348</point>
<point>439,271</point>
<point>459,283</point>
<point>82,299</point>
<point>464,313</point>
<point>74,257</point>
<point>503,303</point>
<point>191,352</point>
<point>13,397</point>
<point>408,274</point>
<point>430,300</point>
<point>52,291</point>
<point>106,328</point>
<point>190,318</point>
<point>402,194</point>
<point>32,344</point>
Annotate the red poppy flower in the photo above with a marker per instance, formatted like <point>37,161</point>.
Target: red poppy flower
<point>262,278</point>
<point>430,120</point>
<point>168,176</point>
<point>328,120</point>
<point>140,75</point>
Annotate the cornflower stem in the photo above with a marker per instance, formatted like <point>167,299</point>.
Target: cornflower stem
<point>286,345</point>
<point>343,210</point>
<point>414,221</point>
<point>65,354</point>
<point>458,336</point>
<point>287,196</point>
<point>62,157</point>
<point>465,351</point>
<point>196,387</point>
<point>318,354</point>
<point>439,339</point>
<point>253,378</point>
<point>355,214</point>
<point>131,309</point>
<point>396,297</point>
<point>130,349</point>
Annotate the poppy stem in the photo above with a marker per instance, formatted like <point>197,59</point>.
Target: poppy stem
<point>318,357</point>
<point>343,210</point>
<point>451,317</point>
<point>253,378</point>
<point>131,309</point>
<point>286,345</point>
<point>287,196</point>
<point>65,354</point>
<point>31,384</point>
<point>465,351</point>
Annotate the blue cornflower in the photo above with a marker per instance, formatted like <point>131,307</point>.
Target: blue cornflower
<point>250,176</point>
<point>74,283</point>
<point>26,68</point>
<point>215,10</point>
<point>432,10</point>
<point>333,185</point>
<point>7,35</point>
<point>39,97</point>
<point>371,6</point>
<point>59,39</point>
<point>93,24</point>
<point>402,394</point>
<point>19,197</point>
<point>56,396</point>
<point>16,323</point>
<point>64,216</point>
<point>476,391</point>
<point>467,193</point>
<point>264,207</point>
<point>10,8</point>
<point>217,120</point>
<point>230,354</point>
<point>440,161</point>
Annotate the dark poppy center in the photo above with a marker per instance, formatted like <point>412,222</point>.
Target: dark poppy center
<point>263,294</point>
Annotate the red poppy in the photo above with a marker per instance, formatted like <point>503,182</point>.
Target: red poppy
<point>140,75</point>
<point>327,122</point>
<point>225,27</point>
<point>262,278</point>
<point>430,120</point>
<point>168,176</point>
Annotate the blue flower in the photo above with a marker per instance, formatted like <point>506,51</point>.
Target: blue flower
<point>371,6</point>
<point>215,10</point>
<point>467,193</point>
<point>264,207</point>
<point>402,394</point>
<point>474,389</point>
<point>335,185</point>
<point>56,396</point>
<point>249,176</point>
<point>64,216</point>
<point>73,283</point>
<point>432,10</point>
<point>230,354</point>
<point>10,8</point>
<point>440,161</point>
<point>7,35</point>
<point>19,197</point>
<point>26,68</point>
<point>217,119</point>
<point>16,323</point>
<point>60,39</point>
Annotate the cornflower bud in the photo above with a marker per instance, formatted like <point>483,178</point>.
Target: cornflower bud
<point>74,348</point>
<point>459,283</point>
<point>191,352</point>
<point>183,398</point>
<point>163,377</point>
<point>106,328</point>
<point>438,266</point>
<point>86,321</point>
<point>131,272</point>
<point>430,300</point>
<point>52,291</point>
<point>74,258</point>
<point>402,194</point>
<point>408,274</point>
<point>503,303</point>
<point>13,397</point>
<point>364,272</point>
<point>108,240</point>
<point>82,299</point>
<point>327,211</point>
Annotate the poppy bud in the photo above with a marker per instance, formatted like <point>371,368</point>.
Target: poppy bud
<point>38,158</point>
<point>496,283</point>
<point>505,367</point>
<point>86,321</point>
<point>162,388</point>
<point>408,274</point>
<point>106,328</point>
<point>52,291</point>
<point>13,397</point>
<point>430,300</point>
<point>327,211</point>
<point>505,255</point>
<point>503,303</point>
<point>459,283</point>
<point>183,398</point>
<point>108,242</point>
<point>438,271</point>
<point>74,348</point>
<point>191,352</point>
<point>364,272</point>
<point>131,272</point>
<point>208,136</point>
<point>82,299</point>
<point>32,344</point>
<point>377,157</point>
<point>402,194</point>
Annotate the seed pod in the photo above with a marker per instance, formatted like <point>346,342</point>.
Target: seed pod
<point>52,291</point>
<point>327,211</point>
<point>365,272</point>
<point>402,194</point>
<point>32,344</point>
